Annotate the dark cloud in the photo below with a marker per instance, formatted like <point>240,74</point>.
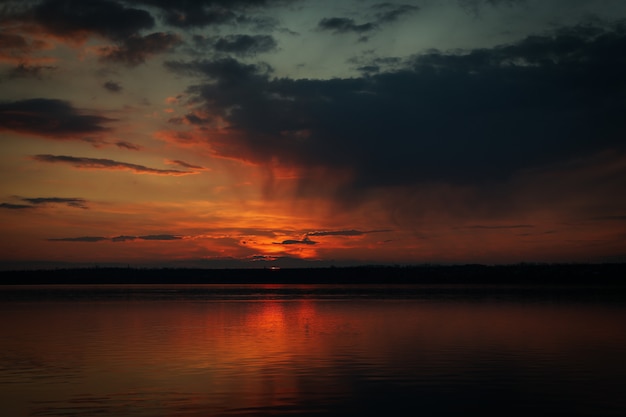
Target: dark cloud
<point>97,163</point>
<point>160,237</point>
<point>245,45</point>
<point>383,13</point>
<point>474,6</point>
<point>465,117</point>
<point>336,233</point>
<point>200,13</point>
<point>121,238</point>
<point>75,18</point>
<point>305,241</point>
<point>71,202</point>
<point>389,12</point>
<point>345,25</point>
<point>30,71</point>
<point>184,164</point>
<point>44,201</point>
<point>127,145</point>
<point>112,86</point>
<point>226,71</point>
<point>137,49</point>
<point>49,118</point>
<point>350,232</point>
<point>11,206</point>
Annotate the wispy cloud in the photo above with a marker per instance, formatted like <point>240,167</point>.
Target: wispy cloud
<point>106,164</point>
<point>45,201</point>
<point>122,144</point>
<point>79,239</point>
<point>498,227</point>
<point>350,232</point>
<point>121,238</point>
<point>71,202</point>
<point>183,164</point>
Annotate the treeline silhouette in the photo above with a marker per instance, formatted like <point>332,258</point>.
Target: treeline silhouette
<point>536,274</point>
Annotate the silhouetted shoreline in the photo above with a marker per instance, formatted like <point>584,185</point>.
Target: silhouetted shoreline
<point>519,274</point>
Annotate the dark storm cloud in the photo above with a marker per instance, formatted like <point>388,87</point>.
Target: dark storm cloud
<point>137,49</point>
<point>464,117</point>
<point>109,19</point>
<point>245,45</point>
<point>112,86</point>
<point>51,118</point>
<point>109,164</point>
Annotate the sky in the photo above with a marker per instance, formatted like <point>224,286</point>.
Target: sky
<point>254,133</point>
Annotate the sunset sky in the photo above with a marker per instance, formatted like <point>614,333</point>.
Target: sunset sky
<point>250,133</point>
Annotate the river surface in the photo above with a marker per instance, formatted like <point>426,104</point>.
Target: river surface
<point>247,350</point>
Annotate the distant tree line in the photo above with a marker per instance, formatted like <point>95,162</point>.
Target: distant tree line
<point>536,274</point>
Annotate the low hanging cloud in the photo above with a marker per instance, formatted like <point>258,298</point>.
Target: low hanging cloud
<point>122,238</point>
<point>50,118</point>
<point>106,164</point>
<point>305,241</point>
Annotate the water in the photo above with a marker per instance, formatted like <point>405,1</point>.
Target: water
<point>311,350</point>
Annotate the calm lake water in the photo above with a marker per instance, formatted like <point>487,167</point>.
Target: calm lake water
<point>311,350</point>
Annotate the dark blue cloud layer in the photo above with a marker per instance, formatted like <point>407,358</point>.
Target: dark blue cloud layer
<point>465,117</point>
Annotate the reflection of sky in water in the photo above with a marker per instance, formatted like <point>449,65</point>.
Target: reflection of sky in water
<point>193,357</point>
